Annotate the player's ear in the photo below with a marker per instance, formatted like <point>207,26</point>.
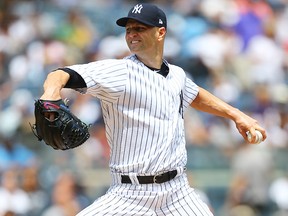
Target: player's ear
<point>162,33</point>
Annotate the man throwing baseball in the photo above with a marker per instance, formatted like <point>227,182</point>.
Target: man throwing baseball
<point>143,98</point>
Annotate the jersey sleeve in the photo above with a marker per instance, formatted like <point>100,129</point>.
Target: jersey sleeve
<point>105,79</point>
<point>190,92</point>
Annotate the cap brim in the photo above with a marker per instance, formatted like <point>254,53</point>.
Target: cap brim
<point>123,21</point>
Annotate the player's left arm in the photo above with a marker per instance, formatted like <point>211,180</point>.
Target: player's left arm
<point>207,102</point>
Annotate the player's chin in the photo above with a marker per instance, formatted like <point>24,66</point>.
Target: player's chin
<point>134,49</point>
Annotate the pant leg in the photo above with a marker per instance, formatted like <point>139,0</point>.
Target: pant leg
<point>120,204</point>
<point>184,201</point>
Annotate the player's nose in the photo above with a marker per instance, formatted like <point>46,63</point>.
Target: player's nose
<point>131,34</point>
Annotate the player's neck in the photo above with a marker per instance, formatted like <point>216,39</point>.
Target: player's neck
<point>152,61</point>
<point>152,56</point>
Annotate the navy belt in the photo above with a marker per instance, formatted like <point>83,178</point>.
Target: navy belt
<point>159,178</point>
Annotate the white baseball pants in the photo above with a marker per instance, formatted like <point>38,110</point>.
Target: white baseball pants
<point>175,198</point>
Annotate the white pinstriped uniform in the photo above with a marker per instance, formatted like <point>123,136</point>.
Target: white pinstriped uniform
<point>145,131</point>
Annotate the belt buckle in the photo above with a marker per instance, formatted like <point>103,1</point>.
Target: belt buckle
<point>155,178</point>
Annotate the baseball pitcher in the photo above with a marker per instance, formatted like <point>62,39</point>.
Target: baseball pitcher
<point>143,98</point>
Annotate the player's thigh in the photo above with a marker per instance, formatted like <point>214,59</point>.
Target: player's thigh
<point>185,202</point>
<point>112,204</point>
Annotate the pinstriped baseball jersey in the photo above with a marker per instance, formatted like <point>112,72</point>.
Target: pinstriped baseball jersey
<point>143,114</point>
<point>140,108</point>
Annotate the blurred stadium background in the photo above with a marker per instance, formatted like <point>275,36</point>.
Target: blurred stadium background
<point>237,49</point>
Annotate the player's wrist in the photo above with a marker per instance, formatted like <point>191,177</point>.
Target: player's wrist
<point>51,93</point>
<point>234,114</point>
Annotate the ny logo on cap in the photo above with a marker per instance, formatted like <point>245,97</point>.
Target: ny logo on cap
<point>137,8</point>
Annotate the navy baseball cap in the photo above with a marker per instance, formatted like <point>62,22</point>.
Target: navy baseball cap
<point>145,13</point>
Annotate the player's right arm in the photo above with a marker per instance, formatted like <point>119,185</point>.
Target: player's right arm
<point>58,79</point>
<point>53,84</point>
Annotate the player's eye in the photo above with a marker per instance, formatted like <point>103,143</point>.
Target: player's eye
<point>135,29</point>
<point>140,29</point>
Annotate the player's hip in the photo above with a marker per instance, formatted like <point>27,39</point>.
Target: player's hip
<point>174,197</point>
<point>148,180</point>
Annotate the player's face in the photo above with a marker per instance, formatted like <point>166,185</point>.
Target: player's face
<point>140,37</point>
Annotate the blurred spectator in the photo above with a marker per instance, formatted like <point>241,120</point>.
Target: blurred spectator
<point>241,210</point>
<point>95,152</point>
<point>194,122</point>
<point>31,185</point>
<point>13,200</point>
<point>278,193</point>
<point>66,201</point>
<point>251,16</point>
<point>265,67</point>
<point>15,154</point>
<point>75,30</point>
<point>251,177</point>
<point>225,46</point>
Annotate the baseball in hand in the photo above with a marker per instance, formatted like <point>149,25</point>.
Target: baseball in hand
<point>259,136</point>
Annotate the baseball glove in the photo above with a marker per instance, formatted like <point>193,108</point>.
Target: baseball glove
<point>64,131</point>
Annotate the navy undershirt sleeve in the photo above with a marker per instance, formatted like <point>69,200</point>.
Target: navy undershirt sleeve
<point>75,80</point>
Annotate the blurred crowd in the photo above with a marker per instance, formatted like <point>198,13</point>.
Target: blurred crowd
<point>236,49</point>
